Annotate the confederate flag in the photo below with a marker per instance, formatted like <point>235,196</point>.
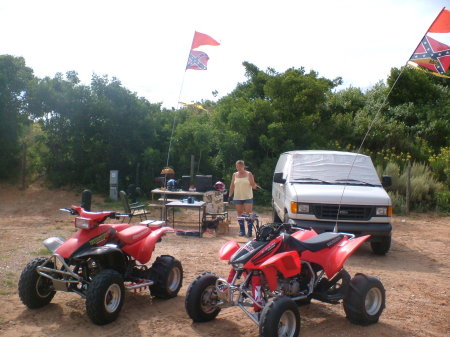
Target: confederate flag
<point>197,60</point>
<point>432,55</point>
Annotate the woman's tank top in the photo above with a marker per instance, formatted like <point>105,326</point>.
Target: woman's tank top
<point>242,188</point>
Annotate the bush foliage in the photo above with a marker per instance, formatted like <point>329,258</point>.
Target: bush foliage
<point>74,133</point>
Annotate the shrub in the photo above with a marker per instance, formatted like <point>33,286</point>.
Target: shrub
<point>424,187</point>
<point>440,163</point>
<point>398,202</point>
<point>443,201</point>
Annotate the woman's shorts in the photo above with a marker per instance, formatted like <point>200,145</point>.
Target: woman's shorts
<point>241,202</point>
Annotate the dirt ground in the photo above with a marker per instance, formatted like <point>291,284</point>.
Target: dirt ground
<point>415,273</point>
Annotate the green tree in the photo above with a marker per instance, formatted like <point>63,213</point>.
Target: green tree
<point>15,78</point>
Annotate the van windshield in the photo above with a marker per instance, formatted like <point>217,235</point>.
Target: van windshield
<point>333,168</point>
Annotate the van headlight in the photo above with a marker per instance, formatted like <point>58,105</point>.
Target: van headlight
<point>303,208</point>
<point>383,211</point>
<point>297,207</point>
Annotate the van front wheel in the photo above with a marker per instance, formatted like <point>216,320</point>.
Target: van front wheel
<point>382,246</point>
<point>286,217</point>
<point>275,216</point>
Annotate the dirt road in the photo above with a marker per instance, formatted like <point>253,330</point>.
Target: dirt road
<point>415,273</point>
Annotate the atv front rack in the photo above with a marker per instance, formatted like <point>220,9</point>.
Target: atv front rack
<point>62,277</point>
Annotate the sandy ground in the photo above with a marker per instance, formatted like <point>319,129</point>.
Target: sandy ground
<point>415,273</point>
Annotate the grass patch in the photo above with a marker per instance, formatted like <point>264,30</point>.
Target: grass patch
<point>5,292</point>
<point>262,209</point>
<point>42,251</point>
<point>107,204</point>
<point>8,284</point>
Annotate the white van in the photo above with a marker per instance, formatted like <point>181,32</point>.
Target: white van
<point>321,189</point>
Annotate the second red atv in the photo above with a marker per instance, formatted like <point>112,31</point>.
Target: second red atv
<point>282,268</point>
<point>99,262</point>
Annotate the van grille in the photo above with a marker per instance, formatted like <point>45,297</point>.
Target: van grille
<point>345,212</point>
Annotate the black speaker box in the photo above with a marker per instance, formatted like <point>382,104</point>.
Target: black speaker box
<point>185,182</point>
<point>203,183</point>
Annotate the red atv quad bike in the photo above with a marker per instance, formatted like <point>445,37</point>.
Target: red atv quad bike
<point>283,267</point>
<point>99,262</point>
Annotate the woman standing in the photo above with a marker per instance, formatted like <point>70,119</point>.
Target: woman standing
<point>242,185</point>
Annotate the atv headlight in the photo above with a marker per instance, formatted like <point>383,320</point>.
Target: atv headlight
<point>238,266</point>
<point>84,223</point>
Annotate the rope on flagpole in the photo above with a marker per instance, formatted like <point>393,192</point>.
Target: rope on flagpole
<point>174,118</point>
<point>376,116</point>
<point>335,229</point>
<point>178,106</point>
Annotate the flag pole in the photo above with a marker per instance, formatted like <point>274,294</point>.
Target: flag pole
<point>178,105</point>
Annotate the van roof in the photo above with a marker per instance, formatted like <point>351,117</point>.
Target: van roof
<point>324,152</point>
<point>332,167</point>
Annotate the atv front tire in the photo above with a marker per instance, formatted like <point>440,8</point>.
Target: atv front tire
<point>35,291</point>
<point>167,273</point>
<point>280,317</point>
<point>201,298</point>
<point>105,296</point>
<point>365,300</point>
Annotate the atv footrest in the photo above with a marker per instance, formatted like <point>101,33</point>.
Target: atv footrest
<point>139,284</point>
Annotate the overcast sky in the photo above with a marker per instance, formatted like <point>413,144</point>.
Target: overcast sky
<point>145,43</point>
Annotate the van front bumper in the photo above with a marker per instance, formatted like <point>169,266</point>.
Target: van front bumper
<point>375,229</point>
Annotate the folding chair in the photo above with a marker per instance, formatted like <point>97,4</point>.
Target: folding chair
<point>133,209</point>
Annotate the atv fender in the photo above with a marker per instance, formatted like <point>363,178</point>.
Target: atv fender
<point>302,235</point>
<point>110,256</point>
<point>287,263</point>
<point>332,259</point>
<point>53,243</point>
<point>142,250</point>
<point>228,249</point>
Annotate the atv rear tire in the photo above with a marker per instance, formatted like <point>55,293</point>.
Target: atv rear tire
<point>201,297</point>
<point>35,291</point>
<point>167,273</point>
<point>365,300</point>
<point>105,296</point>
<point>381,247</point>
<point>280,317</point>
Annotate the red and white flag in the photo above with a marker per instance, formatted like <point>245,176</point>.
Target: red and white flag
<point>201,39</point>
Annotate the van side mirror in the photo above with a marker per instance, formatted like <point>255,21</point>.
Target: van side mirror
<point>278,178</point>
<point>386,181</point>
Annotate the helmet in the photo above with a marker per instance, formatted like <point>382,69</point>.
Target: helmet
<point>167,170</point>
<point>171,184</point>
<point>219,186</point>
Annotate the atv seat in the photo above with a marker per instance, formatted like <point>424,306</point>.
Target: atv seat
<point>133,234</point>
<point>314,244</point>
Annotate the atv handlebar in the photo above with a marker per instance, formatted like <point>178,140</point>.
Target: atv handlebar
<point>270,231</point>
<point>112,215</point>
<point>69,210</point>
